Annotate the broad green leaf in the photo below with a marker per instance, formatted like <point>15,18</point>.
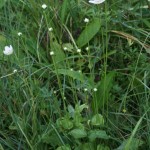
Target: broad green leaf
<point>79,108</point>
<point>77,120</point>
<point>65,147</point>
<point>104,87</point>
<point>86,146</point>
<point>78,133</point>
<point>64,123</point>
<point>75,75</point>
<point>89,32</point>
<point>97,120</point>
<point>134,145</point>
<point>2,3</point>
<point>100,134</point>
<point>59,55</point>
<point>102,147</point>
<point>71,110</point>
<point>51,137</point>
<point>64,10</point>
<point>69,47</point>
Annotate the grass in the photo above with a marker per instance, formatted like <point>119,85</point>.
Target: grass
<point>71,84</point>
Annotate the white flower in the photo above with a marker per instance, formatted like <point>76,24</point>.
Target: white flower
<point>85,89</point>
<point>8,50</point>
<point>95,89</point>
<point>71,69</point>
<point>96,1</point>
<point>19,33</point>
<point>44,6</point>
<point>50,29</point>
<point>79,50</point>
<point>86,20</point>
<point>15,70</point>
<point>79,71</point>
<point>87,48</point>
<point>55,92</point>
<point>65,48</point>
<point>51,53</point>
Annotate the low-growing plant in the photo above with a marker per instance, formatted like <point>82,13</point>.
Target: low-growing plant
<point>74,74</point>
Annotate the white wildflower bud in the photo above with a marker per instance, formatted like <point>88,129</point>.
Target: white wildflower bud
<point>19,33</point>
<point>50,29</point>
<point>51,53</point>
<point>15,70</point>
<point>95,89</point>
<point>85,89</point>
<point>86,20</point>
<point>79,50</point>
<point>87,48</point>
<point>55,92</point>
<point>65,48</point>
<point>44,6</point>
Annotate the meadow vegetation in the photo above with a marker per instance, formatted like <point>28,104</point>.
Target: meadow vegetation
<point>76,75</point>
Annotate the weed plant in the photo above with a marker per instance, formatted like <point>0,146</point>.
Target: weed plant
<point>77,75</point>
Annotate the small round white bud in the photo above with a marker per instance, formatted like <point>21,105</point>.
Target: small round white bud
<point>79,50</point>
<point>51,53</point>
<point>95,89</point>
<point>44,6</point>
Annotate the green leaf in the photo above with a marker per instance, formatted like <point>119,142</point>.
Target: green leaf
<point>134,144</point>
<point>1,147</point>
<point>52,138</point>
<point>94,134</point>
<point>64,147</point>
<point>75,75</point>
<point>64,10</point>
<point>131,139</point>
<point>64,123</point>
<point>59,55</point>
<point>79,108</point>
<point>78,133</point>
<point>71,110</point>
<point>2,3</point>
<point>69,47</point>
<point>89,32</point>
<point>77,120</point>
<point>104,87</point>
<point>97,120</point>
<point>85,146</point>
<point>102,147</point>
<point>146,22</point>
